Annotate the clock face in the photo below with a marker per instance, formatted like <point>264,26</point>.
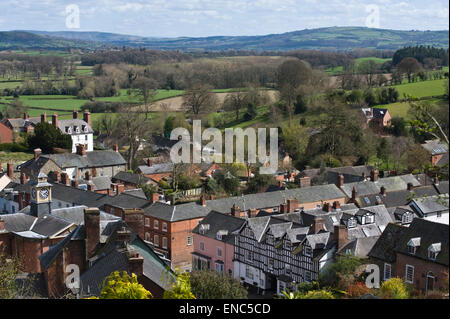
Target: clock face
<point>33,193</point>
<point>43,193</point>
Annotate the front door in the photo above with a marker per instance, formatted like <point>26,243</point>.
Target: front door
<point>430,283</point>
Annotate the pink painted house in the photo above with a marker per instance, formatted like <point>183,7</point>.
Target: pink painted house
<point>214,243</point>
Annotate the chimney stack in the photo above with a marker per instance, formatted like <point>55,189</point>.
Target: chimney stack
<point>75,114</point>
<point>136,264</point>
<point>43,118</point>
<point>87,117</point>
<point>336,205</point>
<point>410,187</point>
<point>149,162</point>
<point>65,179</point>
<point>123,236</point>
<point>252,213</point>
<point>116,147</point>
<point>318,225</point>
<point>154,198</point>
<point>91,187</point>
<point>374,175</point>
<point>134,218</point>
<point>292,204</point>
<point>92,230</point>
<point>354,193</point>
<point>203,200</point>
<point>37,153</point>
<point>75,183</point>
<point>340,180</point>
<point>340,235</point>
<point>55,120</point>
<point>23,179</point>
<point>81,150</point>
<point>304,181</point>
<point>10,169</point>
<point>236,211</point>
<point>383,190</point>
<point>87,176</point>
<point>120,188</point>
<point>326,207</point>
<point>25,116</point>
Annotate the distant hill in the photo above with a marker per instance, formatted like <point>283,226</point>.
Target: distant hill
<point>330,39</point>
<point>22,40</point>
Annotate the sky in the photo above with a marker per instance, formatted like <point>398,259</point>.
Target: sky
<point>198,18</point>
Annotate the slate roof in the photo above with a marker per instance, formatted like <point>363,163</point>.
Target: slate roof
<point>392,183</point>
<point>359,246</point>
<point>442,187</point>
<point>396,198</point>
<point>156,168</point>
<point>429,233</point>
<point>139,193</point>
<point>435,147</point>
<point>62,124</point>
<point>218,222</point>
<point>17,222</point>
<point>432,204</point>
<point>274,199</point>
<point>384,248</point>
<point>379,113</point>
<point>101,182</point>
<point>127,177</point>
<point>21,122</point>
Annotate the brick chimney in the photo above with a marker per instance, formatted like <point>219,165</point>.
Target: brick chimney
<point>374,175</point>
<point>292,204</point>
<point>10,169</point>
<point>91,187</point>
<point>120,188</point>
<point>25,116</point>
<point>37,153</point>
<point>336,205</point>
<point>65,179</point>
<point>74,183</point>
<point>134,218</point>
<point>154,198</point>
<point>410,187</point>
<point>87,176</point>
<point>354,193</point>
<point>116,147</point>
<point>252,213</point>
<point>236,211</point>
<point>27,199</point>
<point>81,150</point>
<point>43,118</point>
<point>23,179</point>
<point>92,230</point>
<point>94,172</point>
<point>111,191</point>
<point>20,196</point>
<point>55,120</point>
<point>318,225</point>
<point>326,207</point>
<point>340,235</point>
<point>304,181</point>
<point>136,264</point>
<point>87,117</point>
<point>75,114</point>
<point>340,180</point>
<point>203,200</point>
<point>149,162</point>
<point>280,184</point>
<point>123,236</point>
<point>383,190</point>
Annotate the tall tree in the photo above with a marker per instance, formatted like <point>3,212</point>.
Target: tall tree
<point>409,66</point>
<point>145,89</point>
<point>199,99</point>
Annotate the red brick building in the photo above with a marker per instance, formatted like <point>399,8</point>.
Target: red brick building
<point>6,134</point>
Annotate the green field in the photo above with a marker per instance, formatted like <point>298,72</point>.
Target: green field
<point>376,60</point>
<point>422,89</point>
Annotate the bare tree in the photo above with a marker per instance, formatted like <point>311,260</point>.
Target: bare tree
<point>145,89</point>
<point>199,99</point>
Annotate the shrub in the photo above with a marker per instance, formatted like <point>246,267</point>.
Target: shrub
<point>116,286</point>
<point>357,290</point>
<point>394,288</point>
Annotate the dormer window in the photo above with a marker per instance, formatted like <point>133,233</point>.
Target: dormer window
<point>407,218</point>
<point>84,128</point>
<point>68,129</point>
<point>434,250</point>
<point>76,129</point>
<point>307,251</point>
<point>367,218</point>
<point>351,223</point>
<point>413,244</point>
<point>204,228</point>
<point>219,236</point>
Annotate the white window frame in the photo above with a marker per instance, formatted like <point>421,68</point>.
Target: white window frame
<point>413,248</point>
<point>147,222</point>
<point>406,274</point>
<point>156,240</point>
<point>219,249</point>
<point>189,240</point>
<point>219,267</point>
<point>148,236</point>
<point>155,224</point>
<point>164,242</point>
<point>202,246</point>
<point>164,227</point>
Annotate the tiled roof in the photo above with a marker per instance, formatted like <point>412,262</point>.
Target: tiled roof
<point>384,248</point>
<point>435,147</point>
<point>217,222</point>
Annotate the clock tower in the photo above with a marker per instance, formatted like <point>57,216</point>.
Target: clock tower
<point>41,195</point>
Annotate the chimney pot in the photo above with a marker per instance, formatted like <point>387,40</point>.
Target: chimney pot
<point>340,235</point>
<point>37,153</point>
<point>75,114</point>
<point>383,190</point>
<point>55,120</point>
<point>340,180</point>
<point>318,225</point>
<point>10,169</point>
<point>43,118</point>
<point>116,147</point>
<point>23,178</point>
<point>92,229</point>
<point>87,117</point>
